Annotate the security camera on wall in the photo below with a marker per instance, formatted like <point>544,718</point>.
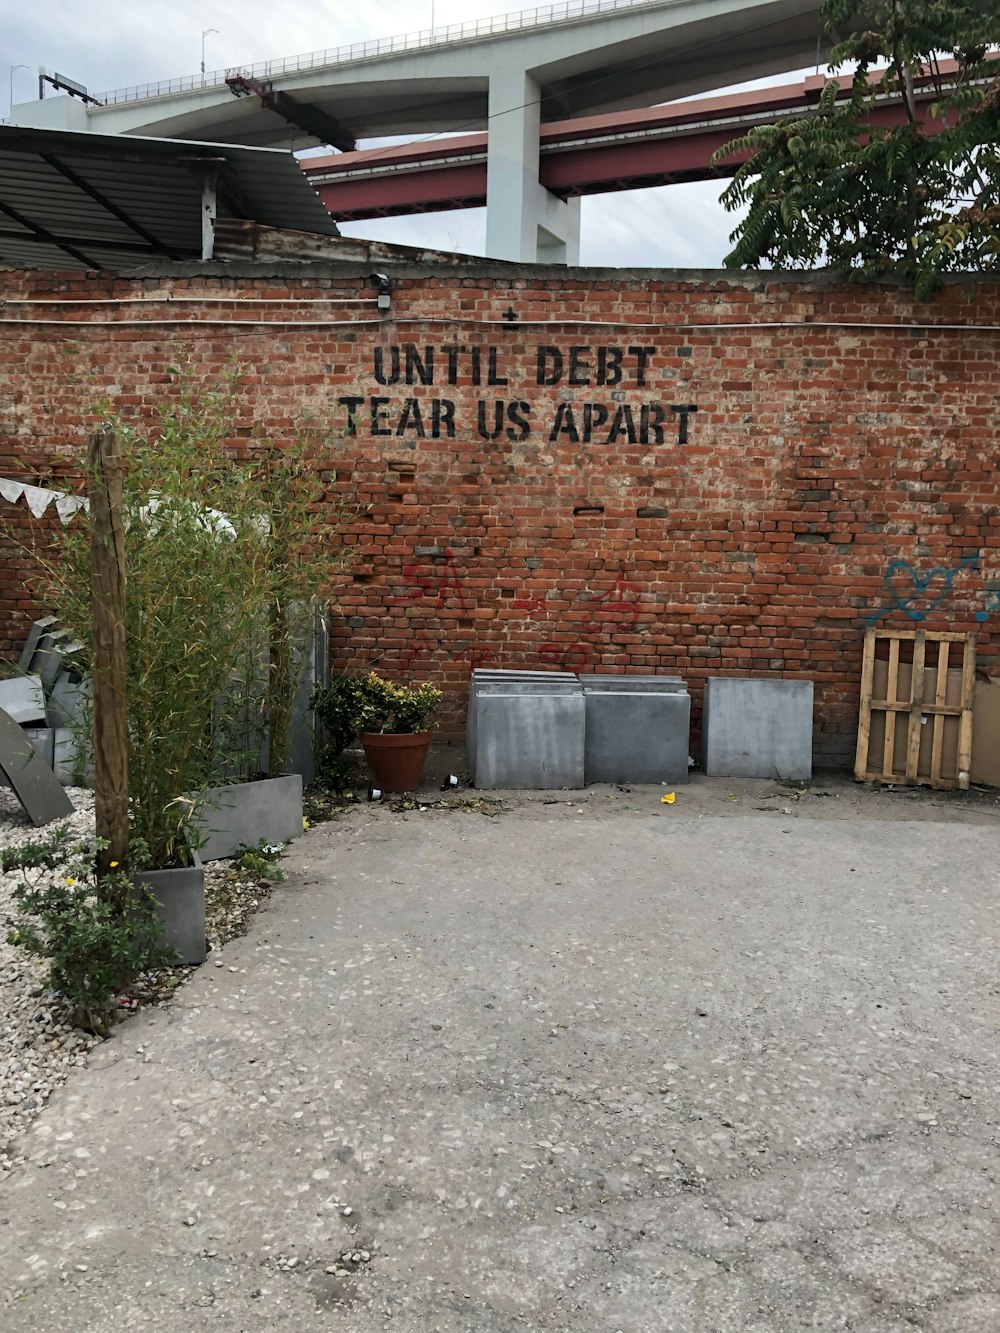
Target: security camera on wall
<point>382,284</point>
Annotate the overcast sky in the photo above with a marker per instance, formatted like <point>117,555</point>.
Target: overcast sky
<point>106,44</point>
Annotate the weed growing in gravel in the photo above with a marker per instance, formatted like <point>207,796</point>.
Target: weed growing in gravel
<point>260,861</point>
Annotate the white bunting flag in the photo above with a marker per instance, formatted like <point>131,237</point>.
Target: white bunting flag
<point>11,490</point>
<point>38,499</point>
<point>68,505</point>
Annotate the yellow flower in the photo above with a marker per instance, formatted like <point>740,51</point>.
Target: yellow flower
<point>113,864</point>
<point>305,822</point>
<point>70,881</point>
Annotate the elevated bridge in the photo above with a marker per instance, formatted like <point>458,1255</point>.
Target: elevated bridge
<point>623,150</point>
<point>511,74</point>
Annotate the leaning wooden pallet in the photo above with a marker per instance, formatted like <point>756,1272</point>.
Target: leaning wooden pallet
<point>918,683</point>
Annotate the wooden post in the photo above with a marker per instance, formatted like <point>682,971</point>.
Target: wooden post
<point>107,587</point>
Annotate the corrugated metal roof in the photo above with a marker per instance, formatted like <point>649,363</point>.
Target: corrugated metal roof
<point>76,200</point>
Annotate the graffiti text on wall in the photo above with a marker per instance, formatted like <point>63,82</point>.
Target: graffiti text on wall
<point>620,370</point>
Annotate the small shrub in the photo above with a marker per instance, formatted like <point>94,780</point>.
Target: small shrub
<point>260,861</point>
<point>94,937</point>
<point>396,709</point>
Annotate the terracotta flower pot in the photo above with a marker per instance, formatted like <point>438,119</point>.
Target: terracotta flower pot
<point>397,761</point>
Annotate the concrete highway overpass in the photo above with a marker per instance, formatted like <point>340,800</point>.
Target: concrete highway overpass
<point>511,73</point>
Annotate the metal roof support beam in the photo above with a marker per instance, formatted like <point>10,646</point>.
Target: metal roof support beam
<point>40,234</point>
<point>93,193</point>
<point>209,209</point>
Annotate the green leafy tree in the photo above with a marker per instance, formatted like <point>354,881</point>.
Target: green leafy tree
<point>831,188</point>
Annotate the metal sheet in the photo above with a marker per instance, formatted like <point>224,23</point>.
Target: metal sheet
<point>34,783</point>
<point>70,199</point>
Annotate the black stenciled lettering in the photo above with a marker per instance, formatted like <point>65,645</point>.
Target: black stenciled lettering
<point>595,415</point>
<point>419,371</point>
<point>378,414</point>
<point>490,431</point>
<point>352,405</point>
<point>651,418</point>
<point>442,418</point>
<point>411,419</point>
<point>492,374</point>
<point>520,426</point>
<point>565,424</point>
<point>542,373</point>
<point>623,424</point>
<point>578,365</point>
<point>642,355</point>
<point>392,375</point>
<point>452,353</point>
<point>609,365</point>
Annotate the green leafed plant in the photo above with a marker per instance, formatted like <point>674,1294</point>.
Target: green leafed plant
<point>835,188</point>
<point>385,706</point>
<point>94,937</point>
<point>226,557</point>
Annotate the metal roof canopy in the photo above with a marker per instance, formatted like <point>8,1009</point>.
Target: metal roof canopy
<point>71,199</point>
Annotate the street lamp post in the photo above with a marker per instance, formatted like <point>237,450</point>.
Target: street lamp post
<point>204,33</point>
<point>14,68</point>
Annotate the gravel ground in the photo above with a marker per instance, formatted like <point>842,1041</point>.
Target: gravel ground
<point>38,1045</point>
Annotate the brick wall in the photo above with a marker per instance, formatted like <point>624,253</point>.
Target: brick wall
<point>525,500</point>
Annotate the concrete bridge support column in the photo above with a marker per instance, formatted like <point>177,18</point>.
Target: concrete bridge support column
<point>524,221</point>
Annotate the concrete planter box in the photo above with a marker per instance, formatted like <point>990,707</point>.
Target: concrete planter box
<point>242,814</point>
<point>180,899</point>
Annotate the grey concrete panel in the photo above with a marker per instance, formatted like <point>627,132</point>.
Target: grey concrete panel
<point>23,699</point>
<point>529,741</point>
<point>637,737</point>
<point>246,812</point>
<point>626,684</point>
<point>758,728</point>
<point>180,899</point>
<point>43,739</point>
<point>69,700</point>
<point>72,769</point>
<point>33,781</point>
<point>487,682</point>
<point>48,659</point>
<point>38,629</point>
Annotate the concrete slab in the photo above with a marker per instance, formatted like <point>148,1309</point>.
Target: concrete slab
<point>246,812</point>
<point>69,700</point>
<point>626,684</point>
<point>758,728</point>
<point>43,741</point>
<point>528,740</point>
<point>637,735</point>
<point>48,658</point>
<point>35,633</point>
<point>497,682</point>
<point>32,779</point>
<point>23,699</point>
<point>550,1072</point>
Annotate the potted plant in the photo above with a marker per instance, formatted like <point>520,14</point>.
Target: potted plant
<point>393,723</point>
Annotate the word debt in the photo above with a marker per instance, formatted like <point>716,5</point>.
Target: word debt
<point>570,423</point>
<point>454,363</point>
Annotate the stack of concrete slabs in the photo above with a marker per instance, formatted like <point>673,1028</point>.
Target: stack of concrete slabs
<point>525,730</point>
<point>637,729</point>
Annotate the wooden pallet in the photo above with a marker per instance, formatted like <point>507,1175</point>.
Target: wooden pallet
<point>883,755</point>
